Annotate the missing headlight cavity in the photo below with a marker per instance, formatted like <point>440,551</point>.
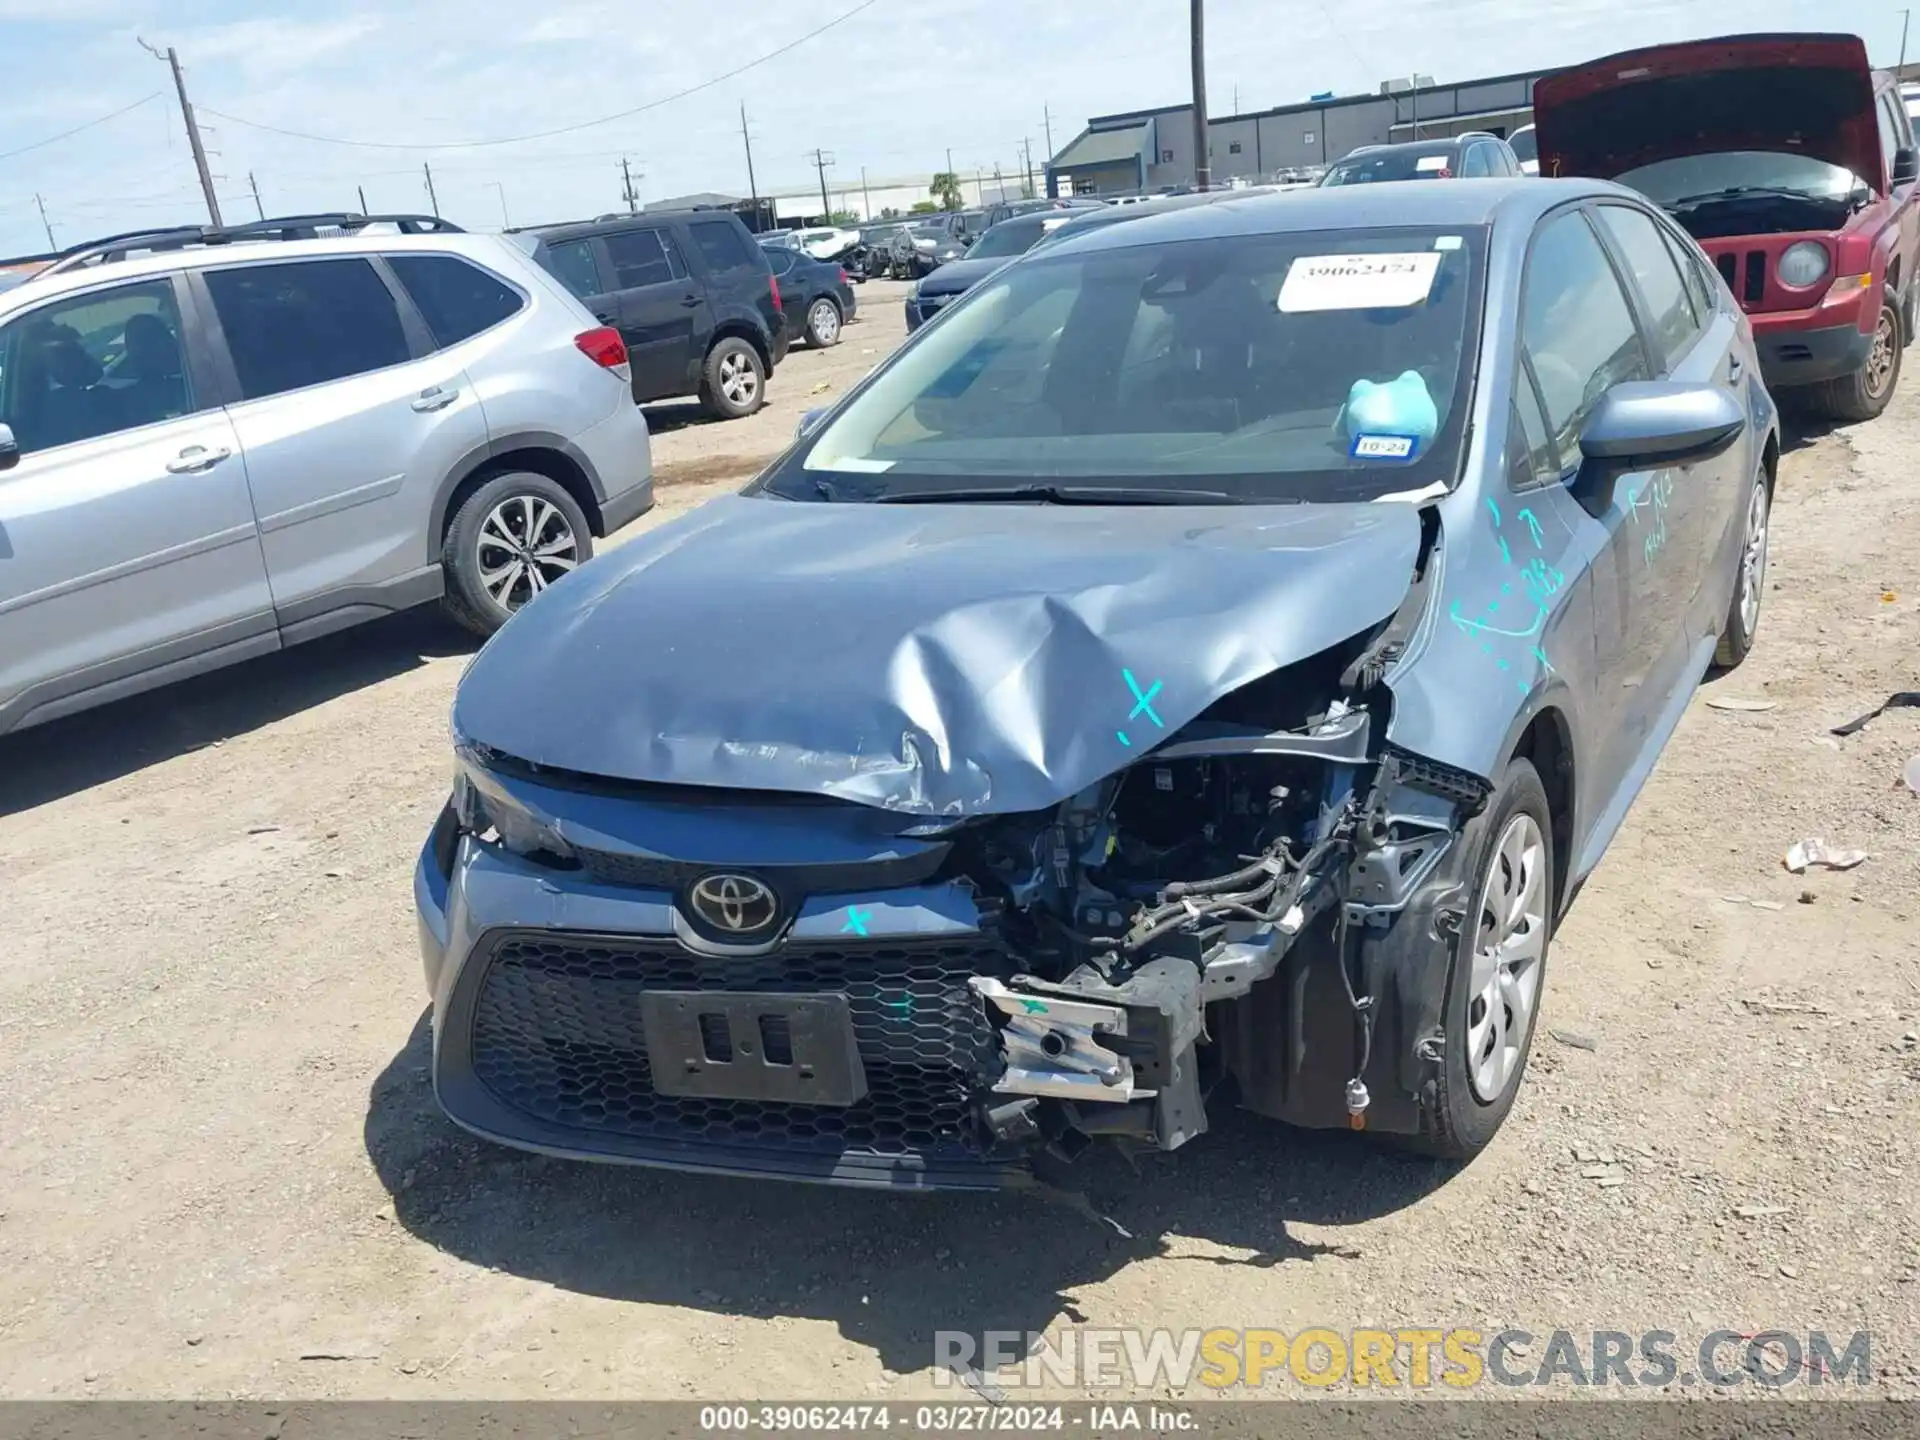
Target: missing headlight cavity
<point>1214,915</point>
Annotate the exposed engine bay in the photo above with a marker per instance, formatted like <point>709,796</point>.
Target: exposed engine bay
<point>1150,906</point>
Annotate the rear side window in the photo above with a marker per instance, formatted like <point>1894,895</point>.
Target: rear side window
<point>638,259</point>
<point>781,260</point>
<point>457,300</point>
<point>290,326</point>
<point>719,244</point>
<point>1650,263</point>
<point>1477,162</point>
<point>1577,326</point>
<point>1701,278</point>
<point>571,263</point>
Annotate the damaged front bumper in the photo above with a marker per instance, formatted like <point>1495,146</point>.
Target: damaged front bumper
<point>894,1029</point>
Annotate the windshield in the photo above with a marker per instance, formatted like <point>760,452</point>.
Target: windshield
<point>1311,366</point>
<point>1727,173</point>
<point>1525,146</point>
<point>1749,192</point>
<point>1015,237</point>
<point>1391,165</point>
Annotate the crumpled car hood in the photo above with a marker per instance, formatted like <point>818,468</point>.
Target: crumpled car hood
<point>946,660</point>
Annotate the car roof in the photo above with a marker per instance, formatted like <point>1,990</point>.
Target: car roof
<point>481,247</point>
<point>574,229</point>
<point>1462,203</point>
<point>1438,146</point>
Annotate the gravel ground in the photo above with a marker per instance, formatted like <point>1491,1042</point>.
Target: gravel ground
<point>222,1173</point>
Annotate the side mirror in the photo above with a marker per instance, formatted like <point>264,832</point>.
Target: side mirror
<point>1650,424</point>
<point>1906,165</point>
<point>9,448</point>
<point>809,421</point>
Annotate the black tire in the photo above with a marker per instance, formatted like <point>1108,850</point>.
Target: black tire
<point>1865,393</point>
<point>1461,1122</point>
<point>467,552</point>
<point>1743,620</point>
<point>733,382</point>
<point>823,322</point>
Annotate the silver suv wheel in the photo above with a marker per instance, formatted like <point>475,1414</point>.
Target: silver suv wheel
<point>525,544</point>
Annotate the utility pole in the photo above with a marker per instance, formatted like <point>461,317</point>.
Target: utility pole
<point>505,222</point>
<point>52,244</point>
<point>1046,119</point>
<point>950,169</point>
<point>254,185</point>
<point>747,140</point>
<point>1202,161</point>
<point>866,197</point>
<point>1026,146</point>
<point>432,199</point>
<point>362,191</point>
<point>193,130</point>
<point>822,159</point>
<point>627,192</point>
<point>1414,90</point>
<point>1901,69</point>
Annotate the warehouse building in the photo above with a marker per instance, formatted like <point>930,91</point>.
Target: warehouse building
<point>1148,150</point>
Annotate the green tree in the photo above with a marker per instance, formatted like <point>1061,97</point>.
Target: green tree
<point>924,207</point>
<point>946,189</point>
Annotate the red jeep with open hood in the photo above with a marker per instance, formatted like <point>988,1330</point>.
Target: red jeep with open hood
<point>1792,162</point>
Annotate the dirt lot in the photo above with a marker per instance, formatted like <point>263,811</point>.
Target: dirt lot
<point>222,1173</point>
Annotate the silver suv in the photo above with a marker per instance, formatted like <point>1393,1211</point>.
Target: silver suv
<point>214,444</point>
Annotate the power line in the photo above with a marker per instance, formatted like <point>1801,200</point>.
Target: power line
<point>564,129</point>
<point>55,139</point>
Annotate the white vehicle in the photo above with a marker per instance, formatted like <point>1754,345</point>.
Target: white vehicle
<point>216,443</point>
<point>1910,97</point>
<point>1527,148</point>
<point>826,242</point>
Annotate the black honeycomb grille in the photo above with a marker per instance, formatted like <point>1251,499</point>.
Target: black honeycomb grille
<point>557,1035</point>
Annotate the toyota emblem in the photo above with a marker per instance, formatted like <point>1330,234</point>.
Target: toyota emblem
<point>737,904</point>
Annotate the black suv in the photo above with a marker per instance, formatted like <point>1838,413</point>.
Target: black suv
<point>689,291</point>
<point>1453,157</point>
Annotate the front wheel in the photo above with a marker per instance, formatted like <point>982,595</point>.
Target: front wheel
<point>823,323</point>
<point>1750,582</point>
<point>1865,393</point>
<point>733,379</point>
<point>1497,969</point>
<point>510,539</point>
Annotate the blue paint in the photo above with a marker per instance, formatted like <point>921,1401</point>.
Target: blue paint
<point>1505,553</point>
<point>903,1007</point>
<point>856,921</point>
<point>1533,527</point>
<point>1495,509</point>
<point>1542,581</point>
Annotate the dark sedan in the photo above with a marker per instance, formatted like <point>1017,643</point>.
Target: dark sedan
<point>1204,664</point>
<point>817,296</point>
<point>1002,243</point>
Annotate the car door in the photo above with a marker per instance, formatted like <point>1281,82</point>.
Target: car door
<point>127,537</point>
<point>656,305</point>
<point>1691,513</point>
<point>348,421</point>
<point>1579,338</point>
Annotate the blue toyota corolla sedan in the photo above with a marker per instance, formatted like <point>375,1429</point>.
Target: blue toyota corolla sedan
<point>1203,666</point>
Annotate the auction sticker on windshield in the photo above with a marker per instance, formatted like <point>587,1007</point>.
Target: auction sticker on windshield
<point>1357,282</point>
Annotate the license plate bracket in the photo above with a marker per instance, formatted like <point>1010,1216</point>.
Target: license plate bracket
<point>788,1049</point>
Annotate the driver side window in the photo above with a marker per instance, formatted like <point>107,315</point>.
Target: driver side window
<point>92,365</point>
<point>1577,328</point>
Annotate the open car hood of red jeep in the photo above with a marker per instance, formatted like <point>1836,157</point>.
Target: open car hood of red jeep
<point>1800,94</point>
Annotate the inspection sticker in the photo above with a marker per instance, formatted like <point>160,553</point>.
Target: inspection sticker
<point>1431,162</point>
<point>1357,282</point>
<point>1383,447</point>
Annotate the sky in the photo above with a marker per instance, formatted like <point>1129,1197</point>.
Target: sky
<point>893,89</point>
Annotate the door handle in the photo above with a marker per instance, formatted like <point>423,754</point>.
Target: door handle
<point>196,458</point>
<point>435,398</point>
<point>689,300</point>
<point>1736,367</point>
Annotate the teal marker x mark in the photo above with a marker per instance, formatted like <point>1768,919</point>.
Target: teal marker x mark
<point>1143,705</point>
<point>856,920</point>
